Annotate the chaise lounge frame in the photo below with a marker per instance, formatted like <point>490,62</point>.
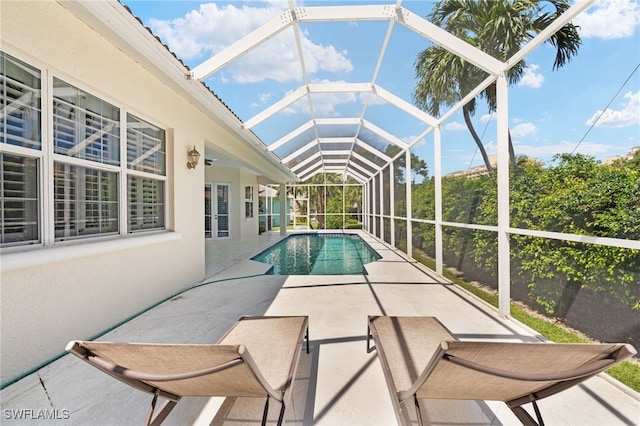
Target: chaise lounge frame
<point>421,359</point>
<point>257,357</point>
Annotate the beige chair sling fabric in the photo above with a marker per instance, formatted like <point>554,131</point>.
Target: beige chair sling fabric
<point>257,357</point>
<point>421,359</point>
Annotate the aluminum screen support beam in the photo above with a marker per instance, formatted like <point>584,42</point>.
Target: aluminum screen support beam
<point>392,204</point>
<point>308,160</point>
<point>450,42</point>
<point>365,206</point>
<point>366,162</point>
<point>357,176</point>
<point>291,98</point>
<point>504,252</point>
<point>576,9</point>
<point>372,150</point>
<point>242,46</point>
<point>388,136</point>
<point>407,176</point>
<point>374,200</point>
<point>405,106</point>
<point>361,170</point>
<point>302,150</point>
<point>437,176</point>
<point>409,20</point>
<point>381,179</point>
<point>286,138</point>
<point>283,209</point>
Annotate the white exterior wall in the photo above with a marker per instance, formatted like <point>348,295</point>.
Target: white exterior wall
<point>50,295</point>
<point>248,227</point>
<point>241,228</point>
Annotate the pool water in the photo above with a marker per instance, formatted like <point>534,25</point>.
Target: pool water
<point>319,254</point>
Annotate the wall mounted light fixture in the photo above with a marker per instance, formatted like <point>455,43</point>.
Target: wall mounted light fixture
<point>194,156</point>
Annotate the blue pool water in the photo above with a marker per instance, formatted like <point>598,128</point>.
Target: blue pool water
<point>319,254</point>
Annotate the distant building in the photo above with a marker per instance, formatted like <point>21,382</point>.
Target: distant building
<point>476,172</point>
<point>628,156</point>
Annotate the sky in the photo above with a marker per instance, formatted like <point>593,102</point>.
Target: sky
<point>590,106</point>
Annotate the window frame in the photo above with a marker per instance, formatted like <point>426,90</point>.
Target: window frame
<point>46,159</point>
<point>248,203</point>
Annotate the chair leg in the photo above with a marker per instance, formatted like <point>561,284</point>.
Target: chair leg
<point>163,412</point>
<point>152,408</point>
<point>369,348</point>
<point>281,416</point>
<point>307,339</point>
<point>524,417</point>
<point>418,412</point>
<point>537,410</point>
<point>265,412</point>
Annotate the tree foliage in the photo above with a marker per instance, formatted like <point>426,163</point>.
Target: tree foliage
<point>576,195</point>
<point>418,165</point>
<point>499,28</point>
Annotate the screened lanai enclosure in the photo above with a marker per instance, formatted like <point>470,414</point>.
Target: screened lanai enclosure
<point>497,141</point>
<point>382,148</point>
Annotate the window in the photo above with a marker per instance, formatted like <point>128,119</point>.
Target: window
<point>248,202</point>
<point>85,200</point>
<point>20,128</point>
<point>86,192</point>
<point>85,178</point>
<point>19,195</point>
<point>146,152</point>
<point>20,92</point>
<point>85,126</point>
<point>146,148</point>
<point>146,204</point>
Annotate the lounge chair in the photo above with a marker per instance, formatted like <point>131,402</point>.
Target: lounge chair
<point>422,360</point>
<point>256,358</point>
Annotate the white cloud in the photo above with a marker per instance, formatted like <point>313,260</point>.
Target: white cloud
<point>488,117</point>
<point>324,104</point>
<point>373,100</point>
<point>628,116</point>
<point>530,78</point>
<point>325,58</point>
<point>609,19</point>
<point>263,98</point>
<point>210,28</point>
<point>547,151</point>
<point>206,31</point>
<point>455,126</point>
<point>523,129</point>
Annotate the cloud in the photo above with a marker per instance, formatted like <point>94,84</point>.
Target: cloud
<point>548,151</point>
<point>263,98</point>
<point>531,78</point>
<point>628,116</point>
<point>609,19</point>
<point>208,30</point>
<point>455,126</point>
<point>373,100</point>
<point>324,104</point>
<point>523,129</point>
<point>488,117</point>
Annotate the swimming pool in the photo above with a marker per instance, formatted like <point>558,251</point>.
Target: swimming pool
<point>319,254</point>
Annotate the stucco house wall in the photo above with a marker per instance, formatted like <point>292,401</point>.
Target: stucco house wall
<point>75,290</point>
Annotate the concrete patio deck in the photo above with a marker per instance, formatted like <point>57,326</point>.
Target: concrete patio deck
<point>338,383</point>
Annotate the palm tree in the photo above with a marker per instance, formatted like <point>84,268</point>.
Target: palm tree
<point>317,194</point>
<point>497,27</point>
